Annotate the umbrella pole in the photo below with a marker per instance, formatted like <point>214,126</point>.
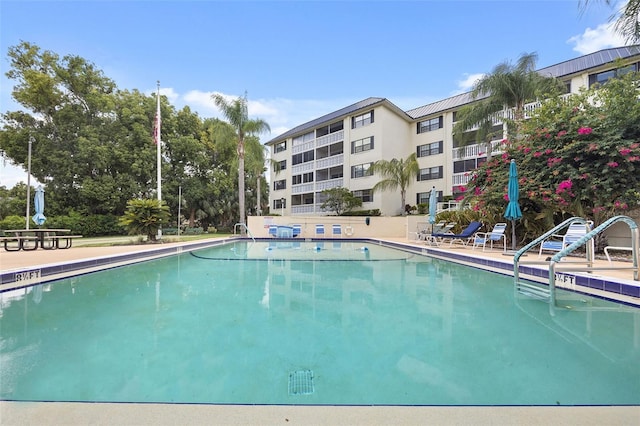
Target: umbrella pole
<point>513,235</point>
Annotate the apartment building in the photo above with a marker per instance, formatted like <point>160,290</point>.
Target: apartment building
<point>337,149</point>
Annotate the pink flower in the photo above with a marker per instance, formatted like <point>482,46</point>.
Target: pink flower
<point>564,186</point>
<point>634,158</point>
<point>612,164</point>
<point>506,197</point>
<point>561,133</point>
<point>553,161</point>
<point>624,151</point>
<point>460,198</point>
<point>585,130</point>
<point>527,150</point>
<point>537,154</point>
<point>548,151</point>
<point>477,191</point>
<point>505,156</point>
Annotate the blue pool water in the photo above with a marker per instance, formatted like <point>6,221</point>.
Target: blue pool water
<point>286,323</point>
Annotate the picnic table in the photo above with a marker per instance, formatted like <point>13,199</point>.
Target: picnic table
<point>31,239</point>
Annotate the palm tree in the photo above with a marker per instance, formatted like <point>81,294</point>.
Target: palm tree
<point>627,21</point>
<point>507,87</point>
<point>237,113</point>
<point>396,174</point>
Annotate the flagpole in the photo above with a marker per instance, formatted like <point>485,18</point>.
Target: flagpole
<point>158,154</point>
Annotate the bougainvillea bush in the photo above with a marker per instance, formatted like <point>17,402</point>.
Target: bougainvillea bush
<point>577,155</point>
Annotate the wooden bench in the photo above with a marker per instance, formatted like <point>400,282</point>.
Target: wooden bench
<point>56,239</point>
<point>20,242</point>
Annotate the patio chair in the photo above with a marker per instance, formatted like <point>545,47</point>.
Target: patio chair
<point>319,230</point>
<point>425,234</point>
<point>273,230</point>
<point>336,230</point>
<point>297,229</point>
<point>464,237</point>
<point>557,242</point>
<point>496,234</point>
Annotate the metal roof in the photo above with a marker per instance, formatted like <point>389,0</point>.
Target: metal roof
<point>329,117</point>
<point>572,66</point>
<point>592,60</point>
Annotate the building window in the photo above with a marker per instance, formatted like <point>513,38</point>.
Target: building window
<point>467,165</point>
<point>604,76</point>
<point>282,165</point>
<point>279,147</point>
<point>366,195</point>
<point>299,140</point>
<point>279,184</point>
<point>362,145</point>
<point>279,203</point>
<point>330,173</point>
<point>430,173</point>
<point>455,116</point>
<point>429,125</point>
<point>423,197</point>
<point>303,157</point>
<point>430,149</point>
<point>361,170</point>
<point>303,178</point>
<point>362,120</point>
<point>331,128</point>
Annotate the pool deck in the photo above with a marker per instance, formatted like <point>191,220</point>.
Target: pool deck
<point>50,413</point>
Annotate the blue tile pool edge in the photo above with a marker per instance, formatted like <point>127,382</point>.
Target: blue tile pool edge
<point>39,274</point>
<point>539,275</point>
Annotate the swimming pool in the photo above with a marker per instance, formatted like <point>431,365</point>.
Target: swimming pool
<point>287,323</point>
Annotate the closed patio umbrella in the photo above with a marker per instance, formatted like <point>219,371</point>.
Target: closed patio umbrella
<point>513,211</point>
<point>433,201</point>
<point>38,203</point>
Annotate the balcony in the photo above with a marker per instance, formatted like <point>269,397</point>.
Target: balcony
<point>328,184</point>
<point>302,188</point>
<point>476,150</point>
<point>461,179</point>
<point>334,160</point>
<point>330,138</point>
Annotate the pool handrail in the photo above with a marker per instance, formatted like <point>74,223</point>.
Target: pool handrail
<point>246,229</point>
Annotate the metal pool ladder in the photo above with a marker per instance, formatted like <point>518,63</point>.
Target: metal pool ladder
<point>549,293</point>
<point>243,226</point>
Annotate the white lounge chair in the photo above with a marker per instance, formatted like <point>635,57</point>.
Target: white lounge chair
<point>556,242</point>
<point>496,234</point>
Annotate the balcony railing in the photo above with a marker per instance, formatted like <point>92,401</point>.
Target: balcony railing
<point>461,179</point>
<point>302,188</point>
<point>476,150</point>
<point>328,184</point>
<point>330,138</point>
<point>334,160</point>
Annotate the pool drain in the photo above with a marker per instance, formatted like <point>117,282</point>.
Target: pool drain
<point>301,382</point>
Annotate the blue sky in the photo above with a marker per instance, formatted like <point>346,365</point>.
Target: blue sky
<point>298,60</point>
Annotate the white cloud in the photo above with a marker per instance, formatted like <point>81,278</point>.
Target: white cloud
<point>594,39</point>
<point>467,83</point>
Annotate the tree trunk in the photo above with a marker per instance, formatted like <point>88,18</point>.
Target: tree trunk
<point>258,209</point>
<point>241,184</point>
<point>192,218</point>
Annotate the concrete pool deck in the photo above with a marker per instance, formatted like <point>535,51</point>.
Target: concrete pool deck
<point>45,413</point>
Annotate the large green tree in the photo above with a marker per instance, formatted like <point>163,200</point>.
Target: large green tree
<point>236,112</point>
<point>502,96</point>
<point>396,174</point>
<point>92,145</point>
